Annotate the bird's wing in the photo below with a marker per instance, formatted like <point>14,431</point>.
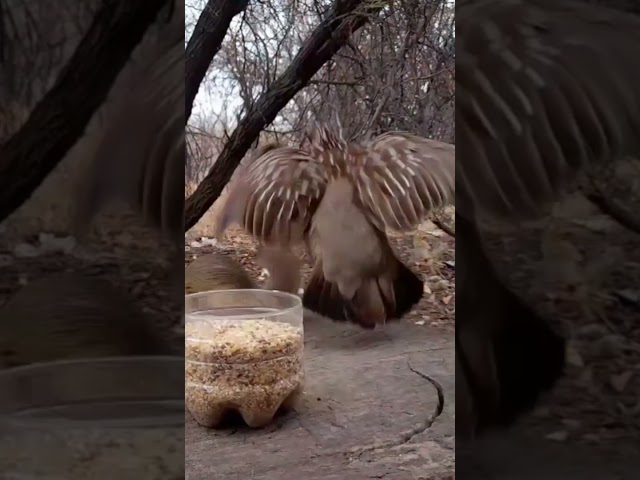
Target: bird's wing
<point>274,199</point>
<point>401,177</point>
<point>139,155</point>
<point>247,161</point>
<point>543,90</point>
<point>226,219</point>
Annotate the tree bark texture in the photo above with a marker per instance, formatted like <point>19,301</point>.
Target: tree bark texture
<point>61,117</point>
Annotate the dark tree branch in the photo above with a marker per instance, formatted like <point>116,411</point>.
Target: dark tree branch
<point>345,17</point>
<point>61,117</point>
<point>205,43</point>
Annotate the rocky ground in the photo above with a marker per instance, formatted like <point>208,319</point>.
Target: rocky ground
<point>583,273</point>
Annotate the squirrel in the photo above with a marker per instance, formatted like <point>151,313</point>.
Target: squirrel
<point>218,272</point>
<point>215,271</point>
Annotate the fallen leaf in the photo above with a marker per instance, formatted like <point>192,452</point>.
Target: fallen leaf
<point>446,299</point>
<point>210,242</point>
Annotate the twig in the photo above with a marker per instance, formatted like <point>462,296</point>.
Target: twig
<point>442,226</point>
<point>436,385</point>
<point>614,210</point>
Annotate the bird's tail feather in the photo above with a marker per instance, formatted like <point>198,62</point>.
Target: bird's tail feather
<point>377,299</point>
<point>408,289</point>
<point>323,297</point>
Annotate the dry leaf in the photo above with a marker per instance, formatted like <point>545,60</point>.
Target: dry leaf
<point>446,299</point>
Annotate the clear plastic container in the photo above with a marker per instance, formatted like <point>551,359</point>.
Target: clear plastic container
<point>244,353</point>
<point>97,418</point>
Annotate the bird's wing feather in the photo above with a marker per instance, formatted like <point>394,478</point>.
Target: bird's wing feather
<point>401,177</point>
<point>275,198</point>
<point>532,112</point>
<point>247,161</point>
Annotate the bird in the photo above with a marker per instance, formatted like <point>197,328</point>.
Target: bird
<point>72,316</point>
<point>540,99</point>
<point>339,198</point>
<point>228,206</point>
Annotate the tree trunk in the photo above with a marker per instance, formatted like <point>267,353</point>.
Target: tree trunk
<point>205,43</point>
<point>62,115</point>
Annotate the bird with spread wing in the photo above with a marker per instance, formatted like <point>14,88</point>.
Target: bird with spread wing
<point>339,198</point>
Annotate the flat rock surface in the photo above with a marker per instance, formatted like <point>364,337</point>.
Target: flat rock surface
<point>365,413</point>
